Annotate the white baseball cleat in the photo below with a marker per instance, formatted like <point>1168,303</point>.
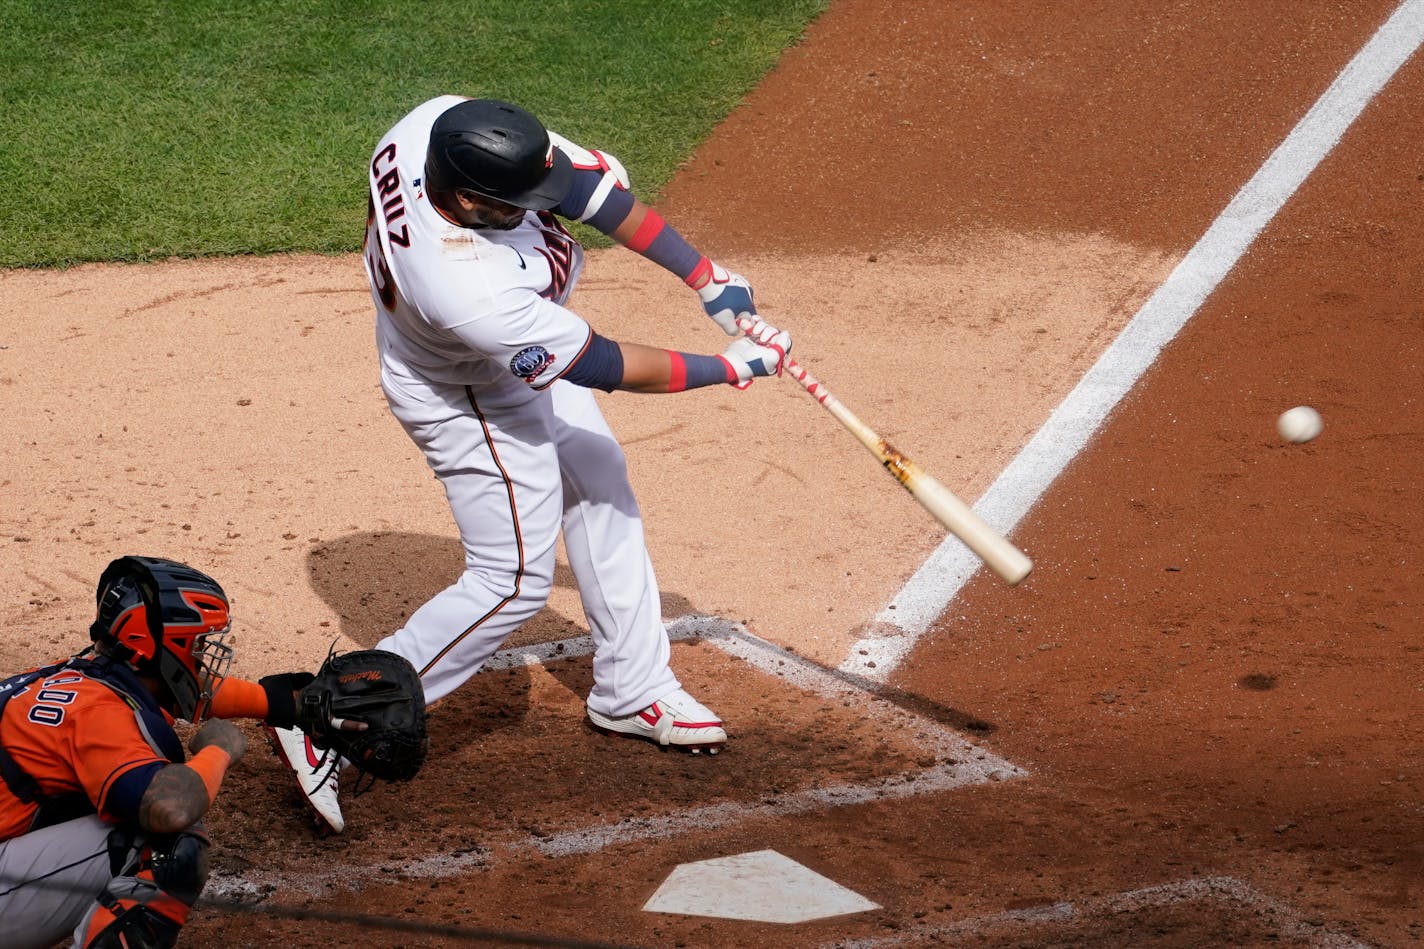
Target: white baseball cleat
<point>676,719</point>
<point>316,773</point>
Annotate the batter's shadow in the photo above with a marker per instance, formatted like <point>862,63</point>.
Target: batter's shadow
<point>374,580</point>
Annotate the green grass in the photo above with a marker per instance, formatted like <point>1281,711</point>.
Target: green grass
<point>133,130</point>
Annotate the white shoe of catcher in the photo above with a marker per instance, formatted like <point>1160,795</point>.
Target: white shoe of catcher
<point>676,719</point>
<point>316,773</point>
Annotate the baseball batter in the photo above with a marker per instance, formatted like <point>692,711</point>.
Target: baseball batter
<point>490,373</point>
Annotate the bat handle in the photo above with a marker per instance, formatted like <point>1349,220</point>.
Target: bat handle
<point>807,381</point>
<point>794,369</point>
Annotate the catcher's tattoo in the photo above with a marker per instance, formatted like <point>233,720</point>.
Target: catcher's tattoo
<point>175,799</point>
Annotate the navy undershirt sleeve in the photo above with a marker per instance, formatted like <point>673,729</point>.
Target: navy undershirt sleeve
<point>127,792</point>
<point>599,367</point>
<point>702,371</point>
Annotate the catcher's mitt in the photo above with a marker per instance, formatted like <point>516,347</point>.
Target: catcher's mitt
<point>379,688</point>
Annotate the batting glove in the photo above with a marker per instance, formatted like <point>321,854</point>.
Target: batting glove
<point>750,359</point>
<point>726,297</point>
<point>759,330</point>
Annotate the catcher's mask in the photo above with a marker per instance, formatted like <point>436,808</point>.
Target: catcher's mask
<point>497,150</point>
<point>167,620</point>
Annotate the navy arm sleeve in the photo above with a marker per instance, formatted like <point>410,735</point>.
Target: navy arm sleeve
<point>600,366</point>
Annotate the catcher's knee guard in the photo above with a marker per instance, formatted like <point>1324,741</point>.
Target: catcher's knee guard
<point>147,906</point>
<point>180,865</point>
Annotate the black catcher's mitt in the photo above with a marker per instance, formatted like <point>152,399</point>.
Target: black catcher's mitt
<point>379,688</point>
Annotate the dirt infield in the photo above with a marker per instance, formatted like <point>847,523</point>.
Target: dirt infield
<point>1198,721</point>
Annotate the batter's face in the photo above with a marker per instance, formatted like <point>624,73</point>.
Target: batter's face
<point>480,211</point>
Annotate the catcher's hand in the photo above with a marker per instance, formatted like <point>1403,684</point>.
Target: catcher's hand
<point>377,688</point>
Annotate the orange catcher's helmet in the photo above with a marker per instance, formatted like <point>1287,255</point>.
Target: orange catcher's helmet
<point>167,620</point>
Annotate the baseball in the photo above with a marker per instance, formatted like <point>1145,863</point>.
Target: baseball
<point>1299,424</point>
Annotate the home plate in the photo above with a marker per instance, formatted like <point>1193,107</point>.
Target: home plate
<point>762,885</point>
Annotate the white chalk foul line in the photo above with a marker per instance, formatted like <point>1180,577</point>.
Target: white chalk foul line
<point>958,763</point>
<point>929,591</point>
<point>1283,919</point>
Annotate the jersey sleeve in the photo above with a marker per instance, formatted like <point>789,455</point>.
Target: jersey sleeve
<point>71,733</point>
<point>124,797</point>
<point>532,338</point>
<point>107,745</point>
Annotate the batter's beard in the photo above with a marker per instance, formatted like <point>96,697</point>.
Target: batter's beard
<point>498,223</point>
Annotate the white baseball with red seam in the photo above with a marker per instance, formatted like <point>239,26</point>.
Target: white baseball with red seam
<point>1300,424</point>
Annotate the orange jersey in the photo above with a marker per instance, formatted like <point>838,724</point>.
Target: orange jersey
<point>87,727</point>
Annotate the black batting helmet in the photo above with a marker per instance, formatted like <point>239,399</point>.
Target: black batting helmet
<point>497,150</point>
<point>168,620</point>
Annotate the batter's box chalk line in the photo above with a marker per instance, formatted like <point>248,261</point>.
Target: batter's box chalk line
<point>958,763</point>
<point>1285,921</point>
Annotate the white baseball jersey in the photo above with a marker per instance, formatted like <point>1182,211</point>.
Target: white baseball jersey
<point>473,338</point>
<point>450,321</point>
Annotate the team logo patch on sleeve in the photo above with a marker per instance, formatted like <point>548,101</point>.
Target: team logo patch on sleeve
<point>530,362</point>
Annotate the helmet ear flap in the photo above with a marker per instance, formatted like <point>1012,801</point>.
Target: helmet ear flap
<point>127,621</point>
<point>132,636</point>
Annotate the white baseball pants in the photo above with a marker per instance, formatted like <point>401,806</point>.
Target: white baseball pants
<point>518,465</point>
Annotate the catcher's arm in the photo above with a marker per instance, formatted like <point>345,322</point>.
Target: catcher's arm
<point>274,699</point>
<point>179,794</point>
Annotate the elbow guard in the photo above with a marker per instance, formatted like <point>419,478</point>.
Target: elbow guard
<point>597,175</point>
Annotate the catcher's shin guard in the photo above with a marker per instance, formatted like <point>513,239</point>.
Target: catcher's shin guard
<point>147,906</point>
<point>140,926</point>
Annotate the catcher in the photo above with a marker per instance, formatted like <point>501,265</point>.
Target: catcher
<point>101,834</point>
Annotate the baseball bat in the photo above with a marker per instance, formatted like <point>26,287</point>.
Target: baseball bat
<point>988,545</point>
